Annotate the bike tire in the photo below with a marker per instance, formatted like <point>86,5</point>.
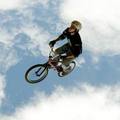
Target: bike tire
<point>43,75</point>
<point>68,72</point>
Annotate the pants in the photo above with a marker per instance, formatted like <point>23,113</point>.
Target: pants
<point>65,49</point>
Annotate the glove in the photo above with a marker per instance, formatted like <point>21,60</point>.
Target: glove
<point>52,43</point>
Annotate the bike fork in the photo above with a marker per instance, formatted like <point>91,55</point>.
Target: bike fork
<point>38,73</point>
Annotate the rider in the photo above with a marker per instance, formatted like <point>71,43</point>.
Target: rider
<point>74,46</point>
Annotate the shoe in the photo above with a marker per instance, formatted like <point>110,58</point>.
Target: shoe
<point>68,68</point>
<point>66,71</point>
<point>59,69</point>
<point>63,73</point>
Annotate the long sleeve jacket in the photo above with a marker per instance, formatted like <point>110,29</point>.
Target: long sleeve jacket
<point>74,41</point>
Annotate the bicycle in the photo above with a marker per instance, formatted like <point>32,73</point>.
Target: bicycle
<point>39,72</point>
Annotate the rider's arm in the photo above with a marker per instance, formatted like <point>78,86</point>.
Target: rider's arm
<point>61,37</point>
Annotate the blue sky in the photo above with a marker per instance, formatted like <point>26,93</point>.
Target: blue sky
<point>26,28</point>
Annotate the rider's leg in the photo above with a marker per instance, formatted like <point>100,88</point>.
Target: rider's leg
<point>63,49</point>
<point>67,61</point>
<point>68,58</point>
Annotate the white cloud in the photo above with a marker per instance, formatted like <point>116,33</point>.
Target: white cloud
<point>2,86</point>
<point>11,59</point>
<point>100,19</point>
<point>38,39</point>
<point>8,58</point>
<point>45,2</point>
<point>36,45</point>
<point>80,61</point>
<point>15,4</point>
<point>38,42</point>
<point>10,4</point>
<point>38,36</point>
<point>82,103</point>
<point>6,37</point>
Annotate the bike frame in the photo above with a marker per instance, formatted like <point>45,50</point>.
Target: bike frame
<point>54,59</point>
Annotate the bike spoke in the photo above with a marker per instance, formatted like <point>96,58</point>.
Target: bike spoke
<point>36,73</point>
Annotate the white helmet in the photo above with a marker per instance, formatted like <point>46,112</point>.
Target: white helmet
<point>76,24</point>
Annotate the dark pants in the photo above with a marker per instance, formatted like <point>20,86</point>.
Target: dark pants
<point>65,49</point>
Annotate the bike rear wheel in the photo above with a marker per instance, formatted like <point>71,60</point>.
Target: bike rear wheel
<point>72,66</point>
<point>36,73</point>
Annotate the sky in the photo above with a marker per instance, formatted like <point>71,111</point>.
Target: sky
<point>91,91</point>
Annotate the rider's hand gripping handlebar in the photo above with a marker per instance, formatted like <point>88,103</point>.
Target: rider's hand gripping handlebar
<point>52,43</point>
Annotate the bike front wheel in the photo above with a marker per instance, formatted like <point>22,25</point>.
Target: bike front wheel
<point>36,73</point>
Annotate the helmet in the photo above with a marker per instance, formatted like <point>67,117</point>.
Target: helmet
<point>76,24</point>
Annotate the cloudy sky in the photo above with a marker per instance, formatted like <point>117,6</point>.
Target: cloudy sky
<point>91,91</point>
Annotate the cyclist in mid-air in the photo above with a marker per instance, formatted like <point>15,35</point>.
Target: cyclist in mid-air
<point>74,46</point>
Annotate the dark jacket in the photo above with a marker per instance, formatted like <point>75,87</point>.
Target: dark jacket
<point>74,40</point>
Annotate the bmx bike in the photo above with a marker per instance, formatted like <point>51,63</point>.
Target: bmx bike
<point>39,72</point>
